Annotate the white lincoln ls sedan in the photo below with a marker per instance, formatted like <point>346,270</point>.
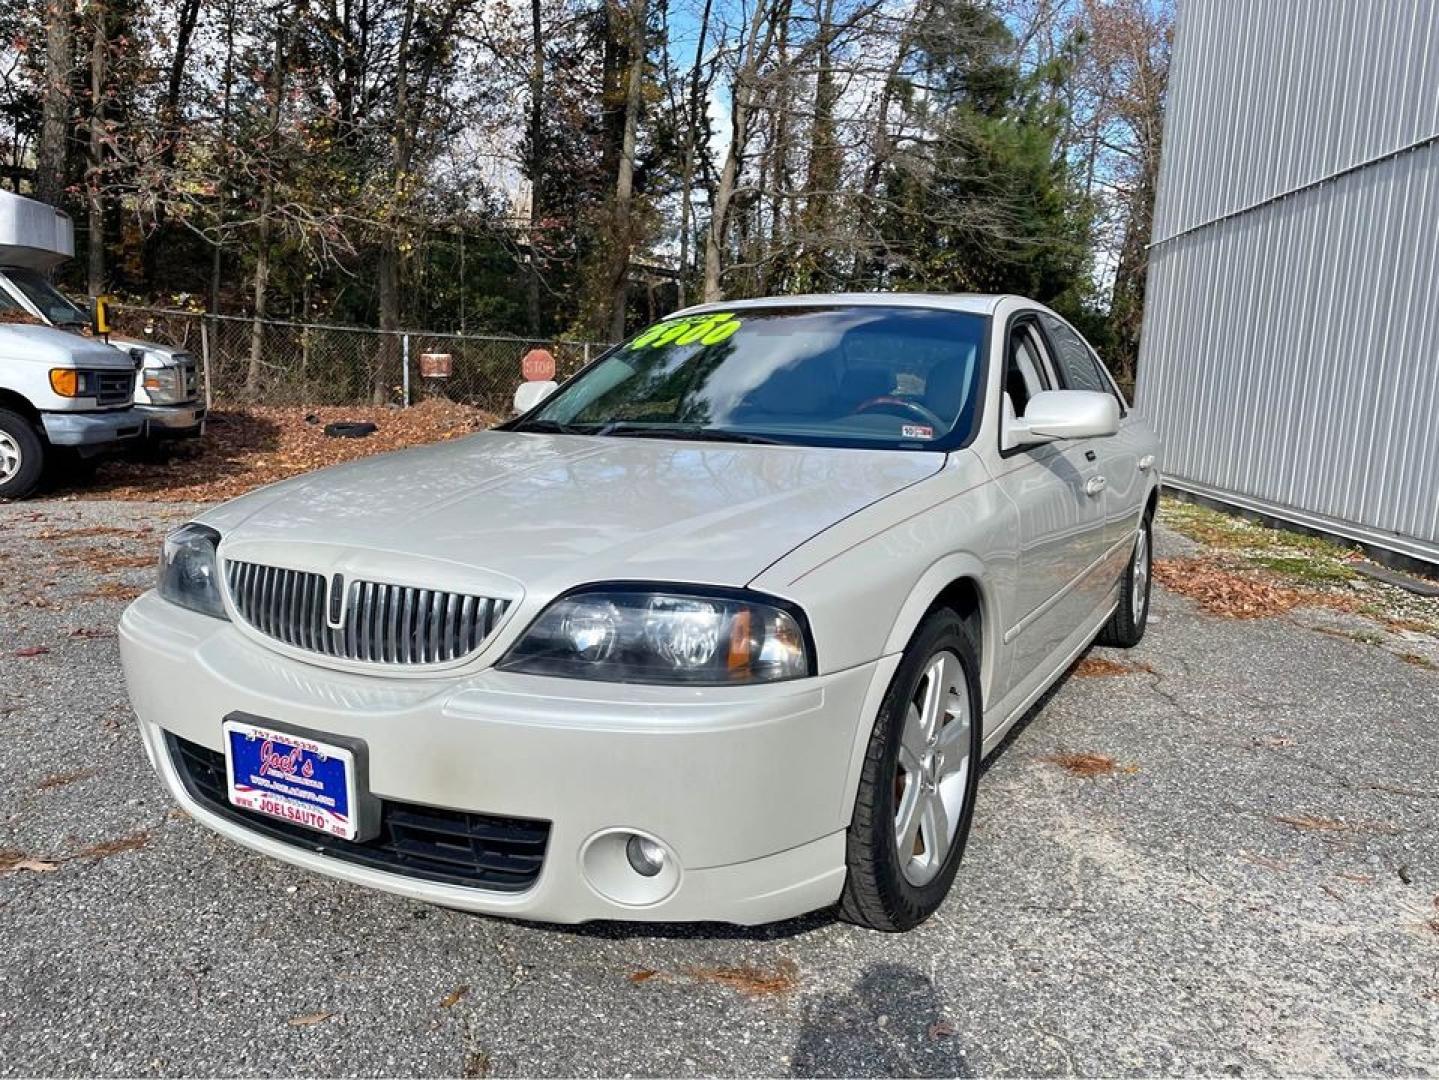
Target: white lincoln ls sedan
<point>719,629</point>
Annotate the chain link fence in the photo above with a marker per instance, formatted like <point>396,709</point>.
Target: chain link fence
<point>275,362</point>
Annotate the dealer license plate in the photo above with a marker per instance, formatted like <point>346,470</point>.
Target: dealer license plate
<point>291,777</point>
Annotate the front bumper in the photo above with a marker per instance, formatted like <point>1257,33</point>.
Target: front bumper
<point>92,432</point>
<point>746,786</point>
<point>173,421</point>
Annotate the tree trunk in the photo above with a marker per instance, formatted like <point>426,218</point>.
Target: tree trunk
<point>94,180</point>
<point>742,105</point>
<point>687,168</point>
<point>537,161</point>
<point>625,178</point>
<point>262,237</point>
<point>50,154</point>
<point>170,132</point>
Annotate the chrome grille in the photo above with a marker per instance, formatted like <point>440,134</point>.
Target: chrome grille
<point>381,623</point>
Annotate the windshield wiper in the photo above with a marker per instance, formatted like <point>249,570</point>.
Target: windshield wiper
<point>554,427</point>
<point>680,431</point>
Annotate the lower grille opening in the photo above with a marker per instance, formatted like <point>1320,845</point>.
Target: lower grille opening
<point>451,846</point>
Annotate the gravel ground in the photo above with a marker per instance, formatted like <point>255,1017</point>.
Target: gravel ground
<point>1251,889</point>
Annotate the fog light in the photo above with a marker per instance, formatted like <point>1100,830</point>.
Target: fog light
<point>645,856</point>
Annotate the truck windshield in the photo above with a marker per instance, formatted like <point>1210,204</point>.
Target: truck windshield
<point>862,376</point>
<point>53,304</point>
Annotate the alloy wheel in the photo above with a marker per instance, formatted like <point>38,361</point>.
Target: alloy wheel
<point>932,769</point>
<point>1139,591</point>
<point>10,457</point>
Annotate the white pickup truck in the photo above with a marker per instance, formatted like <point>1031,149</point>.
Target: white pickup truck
<point>62,395</point>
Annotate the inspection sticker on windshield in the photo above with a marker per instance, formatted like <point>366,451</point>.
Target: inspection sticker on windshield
<point>291,778</point>
<point>917,431</point>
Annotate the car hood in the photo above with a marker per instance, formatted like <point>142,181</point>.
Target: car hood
<point>538,513</point>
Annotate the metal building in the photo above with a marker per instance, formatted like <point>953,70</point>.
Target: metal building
<point>1290,348</point>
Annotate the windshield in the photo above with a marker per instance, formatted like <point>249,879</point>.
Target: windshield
<point>53,304</point>
<point>855,376</point>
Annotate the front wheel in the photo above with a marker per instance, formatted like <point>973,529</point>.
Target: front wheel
<point>1126,626</point>
<point>916,790</point>
<point>22,456</point>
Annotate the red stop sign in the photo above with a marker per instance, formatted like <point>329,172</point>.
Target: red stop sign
<point>538,365</point>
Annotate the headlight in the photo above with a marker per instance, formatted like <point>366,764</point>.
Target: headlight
<point>73,383</point>
<point>639,635</point>
<point>189,571</point>
<point>164,385</point>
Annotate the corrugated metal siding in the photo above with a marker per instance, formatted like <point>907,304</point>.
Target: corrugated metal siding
<point>1290,354</point>
<point>1267,96</point>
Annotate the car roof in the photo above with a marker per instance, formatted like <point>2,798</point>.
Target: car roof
<point>974,303</point>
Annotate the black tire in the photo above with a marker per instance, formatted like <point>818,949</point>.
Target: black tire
<point>1125,627</point>
<point>18,481</point>
<point>876,892</point>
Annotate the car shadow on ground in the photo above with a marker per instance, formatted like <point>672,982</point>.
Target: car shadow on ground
<point>890,1023</point>
<point>155,468</point>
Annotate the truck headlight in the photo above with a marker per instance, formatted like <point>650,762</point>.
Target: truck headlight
<point>73,383</point>
<point>164,385</point>
<point>666,635</point>
<point>189,570</point>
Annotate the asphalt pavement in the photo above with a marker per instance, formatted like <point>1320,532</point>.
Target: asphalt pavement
<point>1243,880</point>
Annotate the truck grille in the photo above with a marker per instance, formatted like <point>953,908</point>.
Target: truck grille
<point>114,387</point>
<point>452,846</point>
<point>379,624</point>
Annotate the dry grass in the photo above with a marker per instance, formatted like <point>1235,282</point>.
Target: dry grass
<point>245,448</point>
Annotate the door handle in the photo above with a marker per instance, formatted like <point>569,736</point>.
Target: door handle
<point>1094,485</point>
<point>1146,463</point>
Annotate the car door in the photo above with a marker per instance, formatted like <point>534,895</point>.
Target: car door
<point>1060,515</point>
<point>1121,456</point>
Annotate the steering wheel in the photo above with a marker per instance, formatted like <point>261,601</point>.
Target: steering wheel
<point>892,405</point>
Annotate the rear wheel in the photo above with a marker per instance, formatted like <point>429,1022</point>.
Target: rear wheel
<point>916,792</point>
<point>22,456</point>
<point>1126,626</point>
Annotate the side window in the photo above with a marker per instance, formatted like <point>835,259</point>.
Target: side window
<point>1023,369</point>
<point>1078,368</point>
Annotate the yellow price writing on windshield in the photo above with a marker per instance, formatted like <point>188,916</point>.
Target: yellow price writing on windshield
<point>693,330</point>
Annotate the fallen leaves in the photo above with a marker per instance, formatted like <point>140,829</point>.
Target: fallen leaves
<point>245,448</point>
<point>1224,591</point>
<point>309,1019</point>
<point>942,1029</point>
<point>31,650</point>
<point>1100,667</point>
<point>1311,823</point>
<point>642,975</point>
<point>64,779</point>
<point>1089,765</point>
<point>450,1000</point>
<point>111,590</point>
<point>106,848</point>
<point>752,981</point>
<point>15,861</point>
<point>91,633</point>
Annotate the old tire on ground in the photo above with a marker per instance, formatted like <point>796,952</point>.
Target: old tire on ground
<point>1126,626</point>
<point>22,456</point>
<point>917,787</point>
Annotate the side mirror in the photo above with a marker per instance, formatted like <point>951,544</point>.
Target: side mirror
<point>100,315</point>
<point>1062,414</point>
<point>531,394</point>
